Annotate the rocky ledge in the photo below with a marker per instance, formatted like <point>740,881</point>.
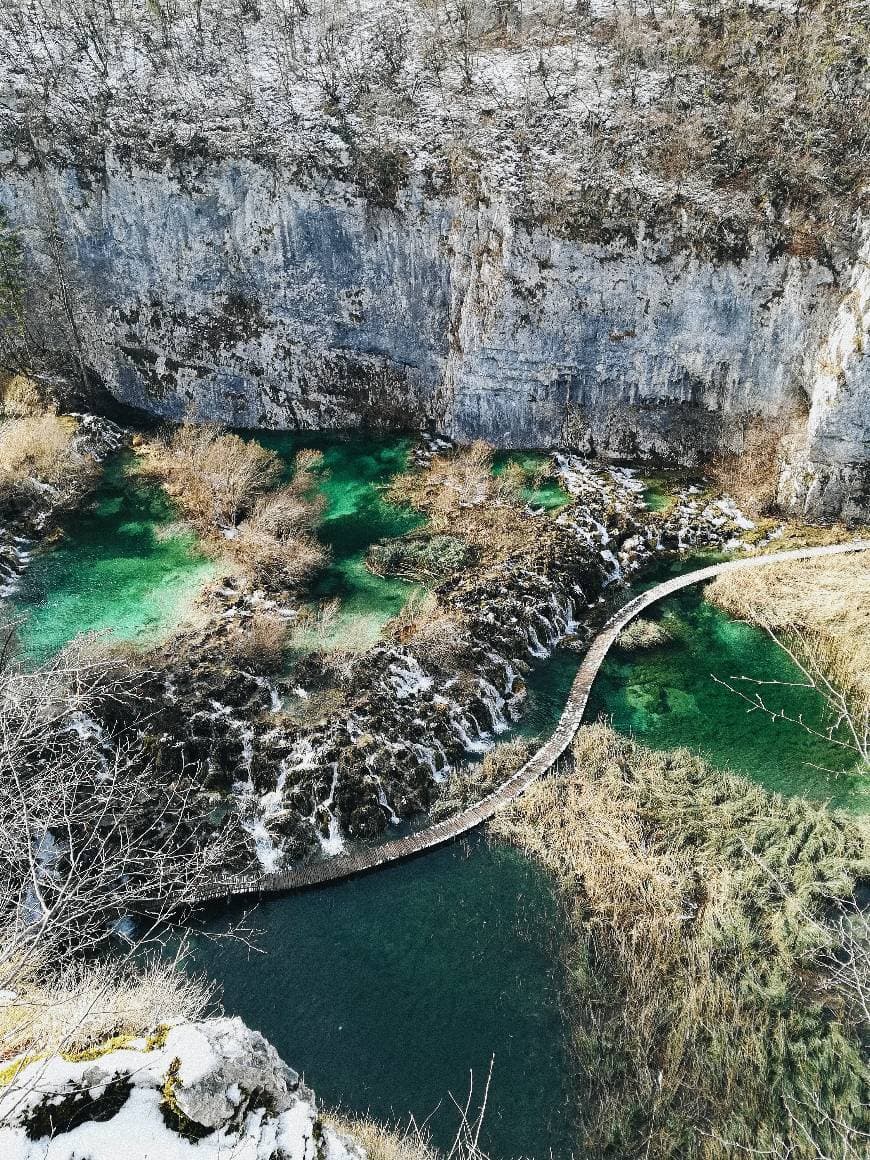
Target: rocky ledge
<point>207,1089</point>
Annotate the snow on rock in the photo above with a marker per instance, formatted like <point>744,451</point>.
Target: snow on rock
<point>205,1090</point>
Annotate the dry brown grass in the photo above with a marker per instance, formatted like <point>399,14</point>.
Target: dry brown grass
<point>828,598</point>
<point>85,1004</point>
<point>701,1015</point>
<point>750,476</point>
<point>261,641</point>
<point>424,624</point>
<point>473,782</point>
<point>36,448</point>
<point>381,1142</point>
<point>460,494</point>
<point>20,397</point>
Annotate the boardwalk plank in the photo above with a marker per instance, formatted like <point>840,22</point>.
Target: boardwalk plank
<point>345,866</point>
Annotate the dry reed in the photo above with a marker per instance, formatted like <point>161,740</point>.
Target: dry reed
<point>704,1023</point>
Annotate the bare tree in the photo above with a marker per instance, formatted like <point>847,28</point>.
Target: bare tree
<point>98,848</point>
<point>846,700</point>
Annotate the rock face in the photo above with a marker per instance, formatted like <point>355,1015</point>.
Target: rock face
<point>227,291</point>
<point>209,1089</point>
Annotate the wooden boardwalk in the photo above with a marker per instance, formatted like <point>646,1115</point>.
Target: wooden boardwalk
<point>346,865</point>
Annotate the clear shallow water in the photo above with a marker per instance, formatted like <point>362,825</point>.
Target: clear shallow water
<point>120,568</point>
<point>356,467</point>
<point>667,697</point>
<point>549,494</point>
<point>389,989</point>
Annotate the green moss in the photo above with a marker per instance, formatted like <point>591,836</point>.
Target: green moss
<point>157,1038</point>
<point>173,1116</point>
<point>97,1050</point>
<point>11,1070</point>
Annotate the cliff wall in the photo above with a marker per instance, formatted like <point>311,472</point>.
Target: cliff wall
<point>228,292</point>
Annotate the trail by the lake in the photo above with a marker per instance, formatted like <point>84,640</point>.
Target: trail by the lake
<point>543,760</point>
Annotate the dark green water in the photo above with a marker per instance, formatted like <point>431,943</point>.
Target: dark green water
<point>122,568</point>
<point>356,467</point>
<point>390,989</point>
<point>667,697</point>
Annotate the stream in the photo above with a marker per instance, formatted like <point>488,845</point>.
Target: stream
<point>392,989</point>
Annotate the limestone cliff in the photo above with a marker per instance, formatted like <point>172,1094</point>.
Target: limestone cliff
<point>394,224</point>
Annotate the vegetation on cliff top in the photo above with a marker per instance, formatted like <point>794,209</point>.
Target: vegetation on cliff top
<point>588,117</point>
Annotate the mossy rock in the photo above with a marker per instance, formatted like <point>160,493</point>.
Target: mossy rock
<point>173,1116</point>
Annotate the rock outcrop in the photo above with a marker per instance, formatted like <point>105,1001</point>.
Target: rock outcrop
<point>307,225</point>
<point>208,1089</point>
<point>248,301</point>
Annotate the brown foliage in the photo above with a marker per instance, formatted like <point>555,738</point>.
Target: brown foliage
<point>460,494</point>
<point>827,599</point>
<point>751,474</point>
<point>694,952</point>
<point>226,487</point>
<point>214,476</point>
<point>261,641</point>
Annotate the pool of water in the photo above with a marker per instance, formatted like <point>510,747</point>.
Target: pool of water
<point>121,567</point>
<point>355,468</point>
<point>668,697</point>
<point>548,494</point>
<point>392,989</point>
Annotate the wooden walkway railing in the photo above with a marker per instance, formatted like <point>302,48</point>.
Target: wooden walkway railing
<point>346,865</point>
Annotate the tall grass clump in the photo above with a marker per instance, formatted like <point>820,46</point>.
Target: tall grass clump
<point>701,956</point>
<point>78,1005</point>
<point>38,455</point>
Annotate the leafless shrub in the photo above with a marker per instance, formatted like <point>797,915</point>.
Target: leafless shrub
<point>413,1141</point>
<point>460,479</point>
<point>750,474</point>
<point>313,626</point>
<point>38,450</point>
<point>95,843</point>
<point>845,697</point>
<point>69,1009</point>
<point>215,477</point>
<point>827,598</point>
<point>261,640</point>
<point>428,629</point>
<point>225,485</point>
<point>21,398</point>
